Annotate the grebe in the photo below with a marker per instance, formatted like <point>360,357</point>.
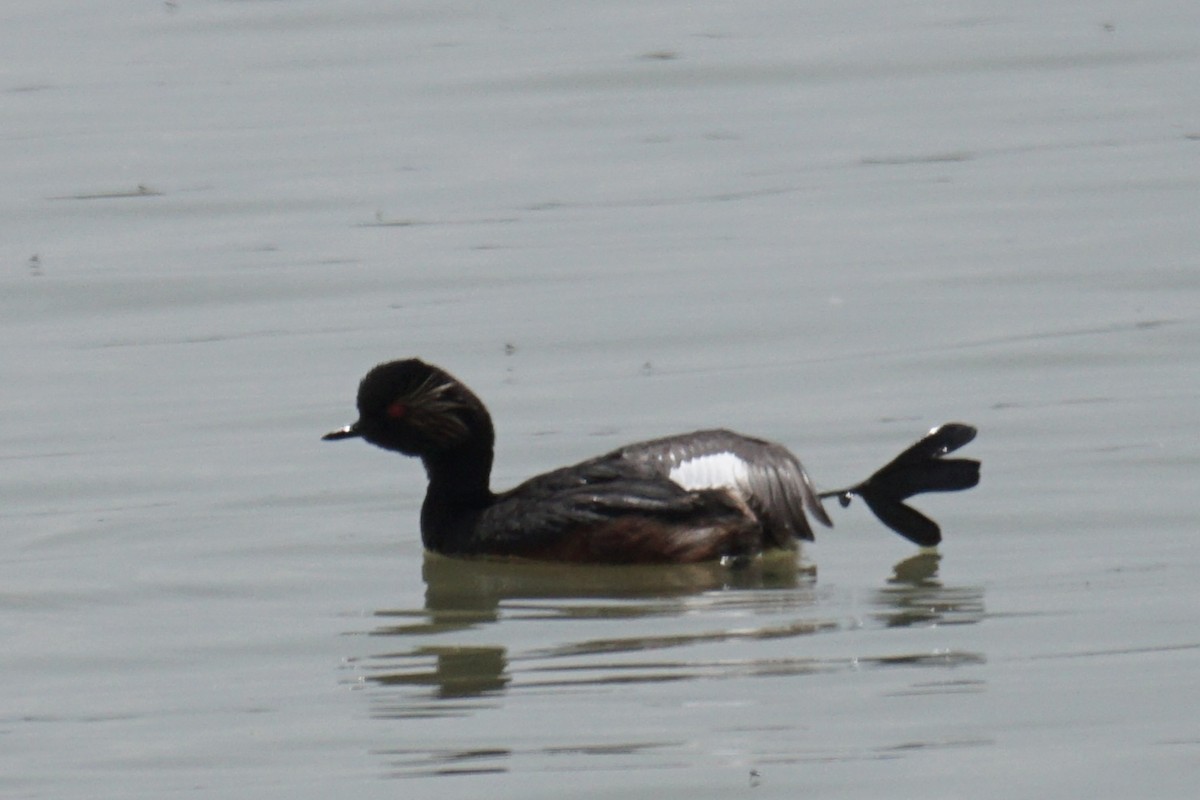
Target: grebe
<point>698,496</point>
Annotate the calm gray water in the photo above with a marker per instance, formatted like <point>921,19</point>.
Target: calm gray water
<point>831,224</point>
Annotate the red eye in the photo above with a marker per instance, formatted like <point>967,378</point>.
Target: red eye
<point>397,410</point>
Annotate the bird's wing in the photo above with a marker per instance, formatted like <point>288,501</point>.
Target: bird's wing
<point>599,494</point>
<point>763,475</point>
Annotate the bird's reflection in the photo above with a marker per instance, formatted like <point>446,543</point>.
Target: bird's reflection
<point>915,597</point>
<point>454,672</point>
<point>464,593</point>
<point>771,598</point>
<point>456,586</point>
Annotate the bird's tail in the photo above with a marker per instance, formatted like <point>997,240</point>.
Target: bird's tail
<point>920,468</point>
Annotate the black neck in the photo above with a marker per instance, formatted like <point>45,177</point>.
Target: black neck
<point>458,493</point>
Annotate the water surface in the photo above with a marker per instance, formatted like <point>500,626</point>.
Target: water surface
<point>832,225</point>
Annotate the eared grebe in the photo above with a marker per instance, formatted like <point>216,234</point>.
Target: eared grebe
<point>694,497</point>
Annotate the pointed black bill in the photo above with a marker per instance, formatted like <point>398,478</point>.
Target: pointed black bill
<point>348,432</point>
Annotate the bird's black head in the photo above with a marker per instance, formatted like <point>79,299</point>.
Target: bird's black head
<point>419,410</point>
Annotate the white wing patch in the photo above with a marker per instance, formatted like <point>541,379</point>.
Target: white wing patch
<point>711,471</point>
